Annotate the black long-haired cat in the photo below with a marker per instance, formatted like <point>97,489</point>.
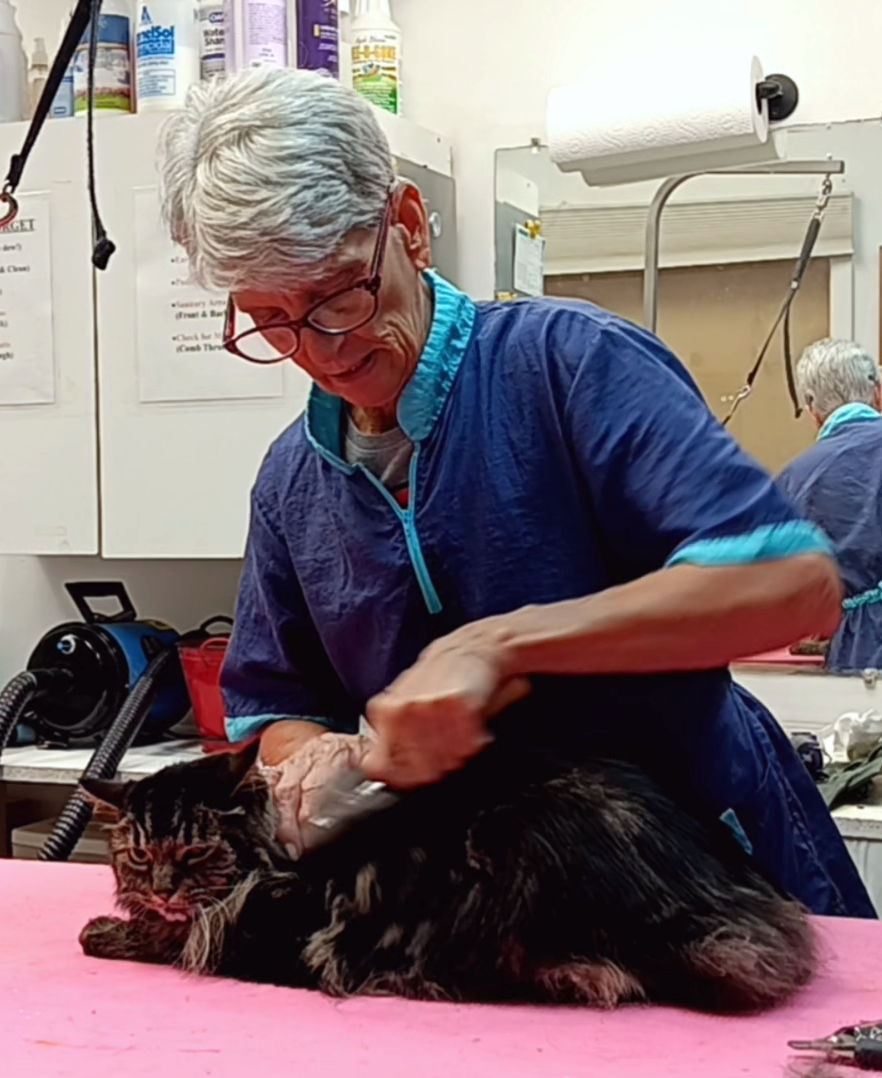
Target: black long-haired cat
<point>520,878</point>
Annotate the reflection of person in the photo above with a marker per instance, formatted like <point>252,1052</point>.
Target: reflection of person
<point>484,493</point>
<point>838,485</point>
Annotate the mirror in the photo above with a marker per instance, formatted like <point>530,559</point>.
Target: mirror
<point>728,249</point>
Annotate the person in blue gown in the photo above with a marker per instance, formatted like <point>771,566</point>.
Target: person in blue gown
<point>837,484</point>
<point>512,520</point>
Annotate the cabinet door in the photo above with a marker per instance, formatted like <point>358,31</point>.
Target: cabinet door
<point>48,466</point>
<point>184,424</point>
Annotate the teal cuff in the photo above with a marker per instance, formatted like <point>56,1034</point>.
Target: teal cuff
<point>845,416</point>
<point>243,728</point>
<point>770,542</point>
<point>866,598</point>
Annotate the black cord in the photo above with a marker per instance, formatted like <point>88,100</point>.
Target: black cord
<point>104,246</point>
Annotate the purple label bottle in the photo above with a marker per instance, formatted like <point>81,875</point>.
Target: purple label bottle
<point>318,36</point>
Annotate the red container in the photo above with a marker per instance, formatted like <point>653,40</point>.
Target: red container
<point>202,667</point>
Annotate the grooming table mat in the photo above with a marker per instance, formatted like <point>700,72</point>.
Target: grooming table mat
<point>62,1014</point>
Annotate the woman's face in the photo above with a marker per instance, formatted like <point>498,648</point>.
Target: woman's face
<point>368,367</point>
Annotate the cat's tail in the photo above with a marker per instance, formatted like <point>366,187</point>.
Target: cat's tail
<point>753,962</point>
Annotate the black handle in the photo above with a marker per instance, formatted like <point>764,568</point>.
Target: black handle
<point>868,1053</point>
<point>81,592</point>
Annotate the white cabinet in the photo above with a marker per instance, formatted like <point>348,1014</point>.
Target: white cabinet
<point>181,426</point>
<point>48,462</point>
<point>179,452</point>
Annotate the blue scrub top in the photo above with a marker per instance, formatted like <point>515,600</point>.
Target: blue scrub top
<point>559,451</point>
<point>837,484</point>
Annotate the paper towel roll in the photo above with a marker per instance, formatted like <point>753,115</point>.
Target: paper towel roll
<point>648,125</point>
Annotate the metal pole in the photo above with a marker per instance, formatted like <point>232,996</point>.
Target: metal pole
<point>670,185</point>
<point>653,233</point>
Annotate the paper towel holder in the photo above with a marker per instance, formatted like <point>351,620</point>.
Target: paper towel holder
<point>782,95</point>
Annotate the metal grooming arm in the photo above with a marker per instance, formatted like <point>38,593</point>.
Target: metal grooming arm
<point>669,186</point>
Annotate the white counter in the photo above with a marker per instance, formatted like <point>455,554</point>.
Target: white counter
<point>860,825</point>
<point>30,764</point>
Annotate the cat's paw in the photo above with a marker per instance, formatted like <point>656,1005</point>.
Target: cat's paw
<point>104,937</point>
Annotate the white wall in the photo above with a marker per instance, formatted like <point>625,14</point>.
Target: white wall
<point>479,70</point>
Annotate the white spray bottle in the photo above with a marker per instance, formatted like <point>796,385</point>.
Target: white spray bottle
<point>13,67</point>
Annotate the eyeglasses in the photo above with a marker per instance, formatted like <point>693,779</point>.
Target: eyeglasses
<point>336,315</point>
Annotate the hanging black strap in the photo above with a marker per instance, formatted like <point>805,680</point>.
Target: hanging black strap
<point>86,11</point>
<point>805,254</point>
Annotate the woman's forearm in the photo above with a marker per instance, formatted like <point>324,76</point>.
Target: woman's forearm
<point>285,738</point>
<point>684,618</point>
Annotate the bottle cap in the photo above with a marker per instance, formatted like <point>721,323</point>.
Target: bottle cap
<point>372,7</point>
<point>40,56</point>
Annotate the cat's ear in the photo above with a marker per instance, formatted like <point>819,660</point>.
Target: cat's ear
<point>107,797</point>
<point>238,765</point>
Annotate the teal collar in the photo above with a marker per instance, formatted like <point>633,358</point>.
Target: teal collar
<point>845,416</point>
<point>424,396</point>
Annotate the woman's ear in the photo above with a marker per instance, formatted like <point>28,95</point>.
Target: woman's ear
<point>413,218</point>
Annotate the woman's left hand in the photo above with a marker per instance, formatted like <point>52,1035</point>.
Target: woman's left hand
<point>433,718</point>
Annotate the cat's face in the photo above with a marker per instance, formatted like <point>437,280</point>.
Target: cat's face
<point>184,838</point>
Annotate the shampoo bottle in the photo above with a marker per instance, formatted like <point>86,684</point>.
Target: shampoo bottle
<point>212,35</point>
<point>318,36</point>
<point>113,62</point>
<point>166,52</point>
<point>376,55</point>
<point>63,104</point>
<point>256,33</point>
<point>13,67</point>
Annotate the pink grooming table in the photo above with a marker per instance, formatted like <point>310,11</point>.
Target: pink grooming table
<point>62,1014</point>
<point>781,657</point>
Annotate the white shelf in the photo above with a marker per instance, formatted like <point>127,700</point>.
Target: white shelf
<point>862,821</point>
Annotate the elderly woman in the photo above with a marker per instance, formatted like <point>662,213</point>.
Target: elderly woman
<point>485,505</point>
<point>838,485</point>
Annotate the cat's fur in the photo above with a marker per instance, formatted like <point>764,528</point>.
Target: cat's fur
<point>521,878</point>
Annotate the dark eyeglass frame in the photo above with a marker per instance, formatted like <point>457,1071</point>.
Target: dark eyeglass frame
<point>370,284</point>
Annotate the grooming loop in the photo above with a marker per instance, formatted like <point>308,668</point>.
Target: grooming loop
<point>805,254</point>
<point>10,207</point>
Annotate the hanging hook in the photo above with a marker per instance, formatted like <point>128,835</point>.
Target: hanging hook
<point>8,199</point>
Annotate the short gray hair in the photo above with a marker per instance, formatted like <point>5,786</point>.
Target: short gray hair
<point>833,373</point>
<point>264,173</point>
